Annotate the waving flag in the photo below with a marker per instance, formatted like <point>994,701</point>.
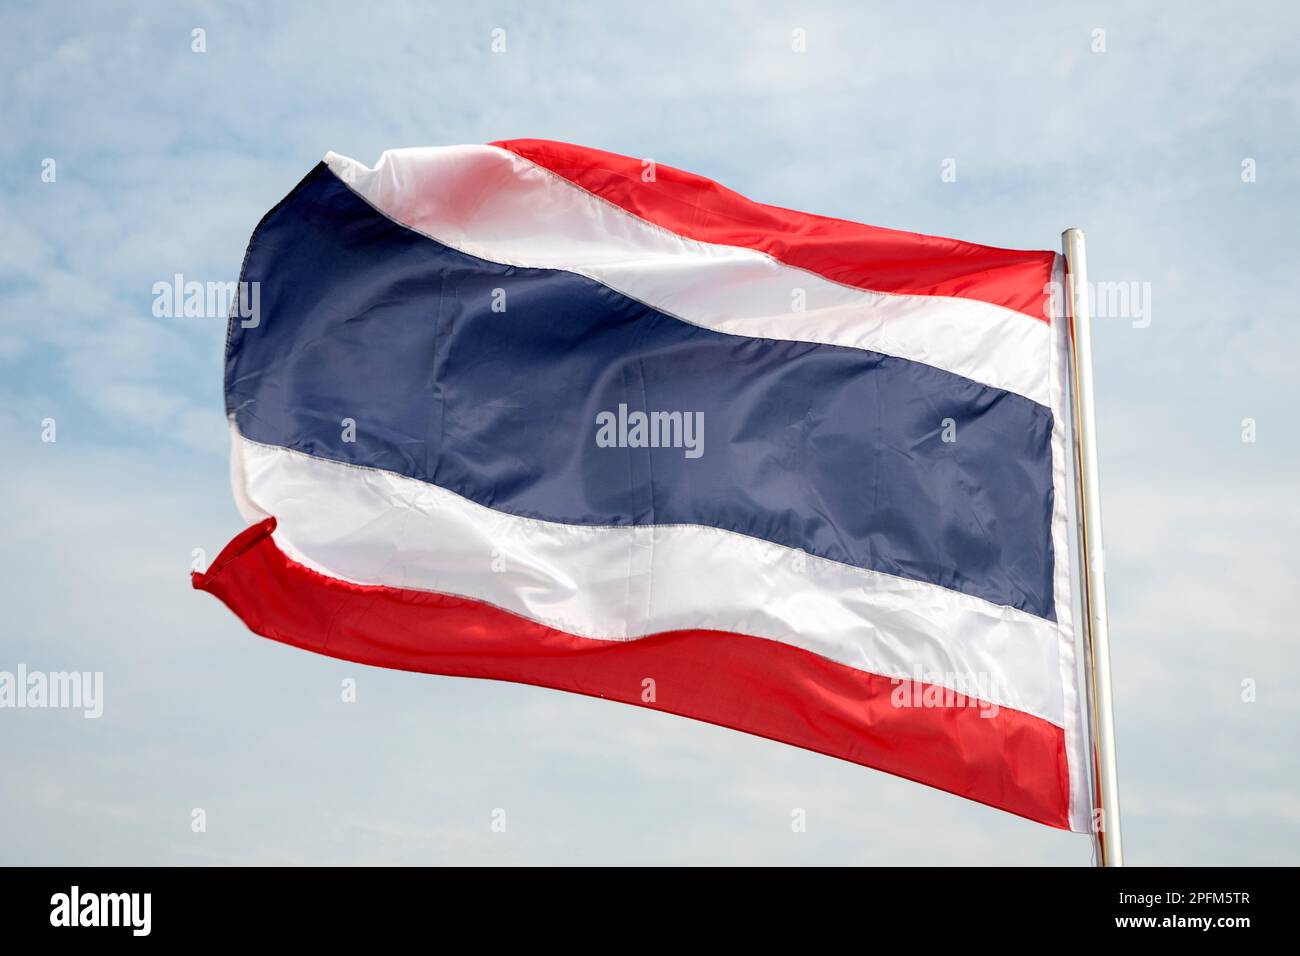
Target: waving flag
<point>545,414</point>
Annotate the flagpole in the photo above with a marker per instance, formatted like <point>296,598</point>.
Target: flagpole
<point>1092,559</point>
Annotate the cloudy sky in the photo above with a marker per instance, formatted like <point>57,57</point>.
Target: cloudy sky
<point>166,158</point>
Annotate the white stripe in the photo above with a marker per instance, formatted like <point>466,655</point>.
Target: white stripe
<point>493,204</point>
<point>619,583</point>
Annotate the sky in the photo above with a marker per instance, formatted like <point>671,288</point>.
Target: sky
<point>1172,137</point>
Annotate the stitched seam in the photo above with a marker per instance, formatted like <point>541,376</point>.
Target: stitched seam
<point>710,529</point>
<point>622,639</point>
<point>767,255</point>
<point>506,261</point>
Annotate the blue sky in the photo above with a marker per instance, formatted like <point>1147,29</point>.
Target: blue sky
<point>166,159</point>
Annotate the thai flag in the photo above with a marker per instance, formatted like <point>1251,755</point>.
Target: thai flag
<point>540,413</point>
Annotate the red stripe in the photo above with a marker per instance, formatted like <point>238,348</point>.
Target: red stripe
<point>882,260</point>
<point>1012,761</point>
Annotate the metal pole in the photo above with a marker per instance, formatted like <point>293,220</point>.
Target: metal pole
<point>1092,564</point>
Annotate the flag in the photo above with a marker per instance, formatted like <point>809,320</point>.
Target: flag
<point>540,413</point>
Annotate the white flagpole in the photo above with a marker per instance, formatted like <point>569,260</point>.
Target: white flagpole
<point>1092,563</point>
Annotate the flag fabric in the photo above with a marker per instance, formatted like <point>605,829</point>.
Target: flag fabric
<point>540,413</point>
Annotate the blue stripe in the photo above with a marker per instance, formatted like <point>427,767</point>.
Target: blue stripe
<point>833,450</point>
